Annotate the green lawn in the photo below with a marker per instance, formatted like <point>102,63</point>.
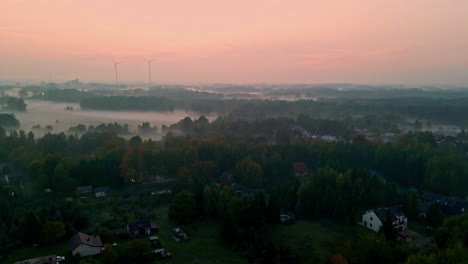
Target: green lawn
<point>315,240</point>
<point>203,247</point>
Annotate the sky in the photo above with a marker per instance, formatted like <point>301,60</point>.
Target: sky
<point>236,41</point>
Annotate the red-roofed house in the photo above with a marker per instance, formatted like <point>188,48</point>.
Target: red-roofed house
<point>300,169</point>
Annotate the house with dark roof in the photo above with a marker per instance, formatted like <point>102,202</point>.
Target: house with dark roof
<point>226,178</point>
<point>84,189</point>
<point>374,218</point>
<point>300,169</point>
<point>85,245</point>
<point>41,260</point>
<point>141,228</point>
<point>101,191</point>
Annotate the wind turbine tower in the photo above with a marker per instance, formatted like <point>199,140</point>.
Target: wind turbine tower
<point>116,76</point>
<point>149,70</point>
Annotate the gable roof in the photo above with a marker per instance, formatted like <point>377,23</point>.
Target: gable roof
<point>84,188</point>
<point>394,211</point>
<point>101,189</point>
<point>82,238</point>
<point>134,226</point>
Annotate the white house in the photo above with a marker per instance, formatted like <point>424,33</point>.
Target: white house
<point>374,218</point>
<point>101,192</point>
<point>85,245</point>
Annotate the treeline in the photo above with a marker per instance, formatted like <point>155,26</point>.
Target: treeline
<point>64,95</point>
<point>8,121</point>
<point>280,130</point>
<point>114,128</point>
<point>445,111</point>
<point>12,103</point>
<point>45,225</point>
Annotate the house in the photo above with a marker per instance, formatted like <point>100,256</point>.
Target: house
<point>84,189</point>
<point>141,228</point>
<point>226,178</point>
<point>85,245</point>
<point>438,136</point>
<point>300,169</point>
<point>41,260</point>
<point>374,218</point>
<point>101,192</point>
<point>449,205</point>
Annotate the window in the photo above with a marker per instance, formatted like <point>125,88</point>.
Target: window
<point>370,225</point>
<point>365,223</point>
<point>372,218</point>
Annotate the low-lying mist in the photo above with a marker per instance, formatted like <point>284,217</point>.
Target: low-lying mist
<point>46,113</point>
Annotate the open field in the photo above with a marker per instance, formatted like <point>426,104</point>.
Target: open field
<point>315,240</point>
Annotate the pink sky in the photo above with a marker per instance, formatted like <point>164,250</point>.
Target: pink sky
<point>275,41</point>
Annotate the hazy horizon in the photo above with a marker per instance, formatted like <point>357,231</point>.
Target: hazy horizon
<point>373,42</point>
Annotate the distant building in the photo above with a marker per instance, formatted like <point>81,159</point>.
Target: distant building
<point>449,205</point>
<point>85,245</point>
<point>438,136</point>
<point>101,192</point>
<point>41,260</point>
<point>374,218</point>
<point>141,228</point>
<point>84,189</point>
<point>226,178</point>
<point>247,192</point>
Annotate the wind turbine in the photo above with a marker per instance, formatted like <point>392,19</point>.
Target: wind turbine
<point>116,76</point>
<point>149,69</point>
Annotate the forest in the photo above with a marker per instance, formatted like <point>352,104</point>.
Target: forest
<point>212,164</point>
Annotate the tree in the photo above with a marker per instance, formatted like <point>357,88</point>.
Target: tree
<point>434,215</point>
<point>23,93</point>
<point>135,141</point>
<point>209,203</point>
<point>249,172</point>
<point>182,208</point>
<point>61,180</point>
<point>31,228</point>
<point>387,227</point>
<point>53,231</point>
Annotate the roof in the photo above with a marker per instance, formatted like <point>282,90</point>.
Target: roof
<point>101,189</point>
<point>431,197</point>
<point>52,259</point>
<point>82,238</point>
<point>134,226</point>
<point>84,188</point>
<point>300,167</point>
<point>395,211</point>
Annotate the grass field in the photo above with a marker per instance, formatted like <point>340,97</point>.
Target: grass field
<point>203,247</point>
<point>315,240</point>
